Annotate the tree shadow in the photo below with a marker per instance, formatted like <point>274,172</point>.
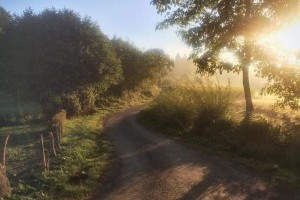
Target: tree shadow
<point>152,166</point>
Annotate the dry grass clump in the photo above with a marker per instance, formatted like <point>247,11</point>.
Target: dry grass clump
<point>5,188</point>
<point>192,106</point>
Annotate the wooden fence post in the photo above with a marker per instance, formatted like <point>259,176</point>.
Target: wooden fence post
<point>52,143</point>
<point>48,160</point>
<point>61,129</point>
<point>5,140</point>
<point>43,151</point>
<point>58,135</point>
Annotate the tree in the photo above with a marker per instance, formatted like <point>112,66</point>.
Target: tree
<point>57,53</point>
<point>6,24</point>
<point>139,67</point>
<point>131,60</point>
<point>5,20</point>
<point>284,82</point>
<point>213,26</point>
<point>156,65</point>
<point>74,53</point>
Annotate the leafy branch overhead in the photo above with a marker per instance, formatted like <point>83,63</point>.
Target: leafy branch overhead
<point>213,26</point>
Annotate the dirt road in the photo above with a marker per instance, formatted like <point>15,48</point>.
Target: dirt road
<point>151,166</point>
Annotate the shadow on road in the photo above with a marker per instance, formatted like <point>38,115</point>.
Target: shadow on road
<point>151,166</point>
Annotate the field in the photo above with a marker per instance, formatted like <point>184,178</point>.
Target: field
<point>12,113</point>
<point>79,165</point>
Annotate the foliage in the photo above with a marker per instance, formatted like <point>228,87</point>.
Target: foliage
<point>139,67</point>
<point>191,105</point>
<point>78,102</point>
<point>64,61</point>
<point>71,103</point>
<point>5,20</point>
<point>87,99</point>
<point>261,141</point>
<point>284,82</point>
<point>80,162</point>
<point>57,52</point>
<point>82,159</point>
<point>60,116</point>
<point>75,171</point>
<point>211,27</point>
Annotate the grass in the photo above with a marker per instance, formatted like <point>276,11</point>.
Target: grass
<point>13,115</point>
<point>82,160</point>
<point>211,117</point>
<point>80,164</point>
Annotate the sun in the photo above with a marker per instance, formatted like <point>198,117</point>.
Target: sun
<point>284,44</point>
<point>289,39</point>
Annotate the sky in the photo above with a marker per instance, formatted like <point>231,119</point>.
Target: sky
<point>132,20</point>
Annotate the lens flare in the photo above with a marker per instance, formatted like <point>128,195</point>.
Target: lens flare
<point>289,38</point>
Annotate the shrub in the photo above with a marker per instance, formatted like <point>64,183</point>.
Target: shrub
<point>50,104</point>
<point>71,103</point>
<point>194,105</point>
<point>258,130</point>
<point>213,107</point>
<point>259,138</point>
<point>151,91</point>
<point>75,103</point>
<point>5,188</point>
<point>59,116</point>
<point>173,109</point>
<point>87,99</point>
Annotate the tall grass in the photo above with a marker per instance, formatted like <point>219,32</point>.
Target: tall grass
<point>206,113</point>
<point>196,106</point>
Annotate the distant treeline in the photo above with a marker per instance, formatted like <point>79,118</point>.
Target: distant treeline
<point>185,69</point>
<point>64,61</point>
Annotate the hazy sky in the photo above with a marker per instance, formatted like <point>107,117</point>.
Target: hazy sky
<point>133,20</point>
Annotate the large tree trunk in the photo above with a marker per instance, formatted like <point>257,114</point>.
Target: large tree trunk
<point>247,92</point>
<point>246,63</point>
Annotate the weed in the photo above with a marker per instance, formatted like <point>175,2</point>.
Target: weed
<point>196,106</point>
<point>209,115</point>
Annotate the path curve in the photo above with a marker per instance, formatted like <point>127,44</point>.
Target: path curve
<point>152,166</point>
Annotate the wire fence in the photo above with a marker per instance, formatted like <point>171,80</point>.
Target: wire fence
<point>32,155</point>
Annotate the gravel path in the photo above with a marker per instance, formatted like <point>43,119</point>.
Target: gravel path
<point>152,166</point>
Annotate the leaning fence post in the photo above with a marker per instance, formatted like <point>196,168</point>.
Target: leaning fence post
<point>48,160</point>
<point>52,143</point>
<point>61,129</point>
<point>5,141</point>
<point>43,151</point>
<point>58,135</point>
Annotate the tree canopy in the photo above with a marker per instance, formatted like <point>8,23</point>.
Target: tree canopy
<point>5,20</point>
<point>64,61</point>
<point>213,26</point>
<point>140,67</point>
<point>60,51</point>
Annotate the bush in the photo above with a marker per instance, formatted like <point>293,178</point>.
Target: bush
<point>80,102</point>
<point>59,116</point>
<point>203,110</point>
<point>293,153</point>
<point>258,130</point>
<point>50,104</point>
<point>258,138</point>
<point>172,109</point>
<point>71,103</point>
<point>87,99</point>
<point>196,106</point>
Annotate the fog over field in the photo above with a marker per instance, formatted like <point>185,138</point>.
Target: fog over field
<point>185,69</point>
